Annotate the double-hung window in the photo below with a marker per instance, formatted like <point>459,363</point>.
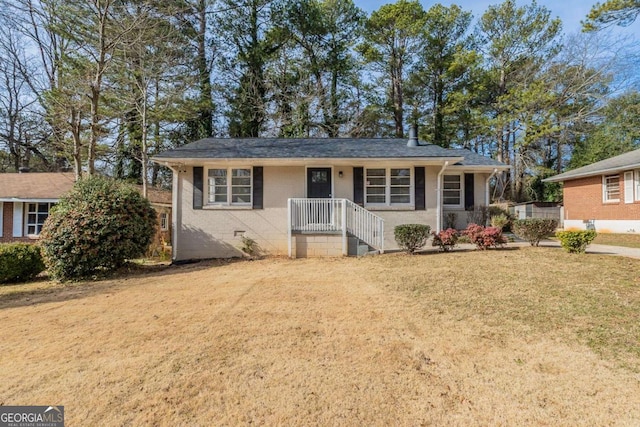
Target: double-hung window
<point>164,221</point>
<point>388,186</point>
<point>230,186</point>
<point>452,190</point>
<point>611,188</point>
<point>637,182</point>
<point>37,214</point>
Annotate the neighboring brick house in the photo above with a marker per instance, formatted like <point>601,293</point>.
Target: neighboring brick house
<point>160,199</point>
<point>604,195</point>
<point>25,200</point>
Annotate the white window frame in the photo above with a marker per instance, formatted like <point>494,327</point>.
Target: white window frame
<point>388,186</point>
<point>229,176</point>
<point>28,212</point>
<point>461,191</point>
<point>637,185</point>
<point>605,192</point>
<point>164,221</point>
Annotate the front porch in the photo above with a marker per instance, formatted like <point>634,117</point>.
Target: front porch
<point>329,227</point>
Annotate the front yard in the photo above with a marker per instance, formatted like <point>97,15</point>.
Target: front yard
<point>529,336</point>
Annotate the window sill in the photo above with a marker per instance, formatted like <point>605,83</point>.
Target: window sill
<point>227,207</point>
<point>611,202</point>
<point>390,207</point>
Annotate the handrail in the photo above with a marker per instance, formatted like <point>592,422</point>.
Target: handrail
<point>336,215</point>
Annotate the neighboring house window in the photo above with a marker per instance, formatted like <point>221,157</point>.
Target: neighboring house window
<point>164,221</point>
<point>611,188</point>
<point>388,186</point>
<point>452,190</point>
<point>230,186</point>
<point>638,185</point>
<point>37,213</point>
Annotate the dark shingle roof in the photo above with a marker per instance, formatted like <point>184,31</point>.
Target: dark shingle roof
<point>309,148</point>
<point>475,159</point>
<point>630,160</point>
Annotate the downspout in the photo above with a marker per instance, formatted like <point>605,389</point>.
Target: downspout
<point>176,211</point>
<point>439,198</point>
<point>487,196</point>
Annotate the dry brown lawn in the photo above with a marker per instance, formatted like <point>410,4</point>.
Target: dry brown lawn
<point>528,336</point>
<point>626,240</point>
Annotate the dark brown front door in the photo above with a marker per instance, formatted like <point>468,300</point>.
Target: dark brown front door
<point>319,183</point>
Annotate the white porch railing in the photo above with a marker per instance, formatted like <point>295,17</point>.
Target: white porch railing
<point>336,215</point>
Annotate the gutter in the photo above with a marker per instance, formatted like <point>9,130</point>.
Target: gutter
<point>439,198</point>
<point>486,187</point>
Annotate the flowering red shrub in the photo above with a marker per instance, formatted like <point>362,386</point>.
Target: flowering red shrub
<point>485,237</point>
<point>446,239</point>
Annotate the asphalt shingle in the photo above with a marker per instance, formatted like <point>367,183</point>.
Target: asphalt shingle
<point>309,148</point>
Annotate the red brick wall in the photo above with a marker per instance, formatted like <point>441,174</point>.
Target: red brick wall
<point>7,220</point>
<point>7,226</point>
<point>583,200</point>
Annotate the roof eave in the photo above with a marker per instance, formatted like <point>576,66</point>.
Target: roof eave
<point>189,161</point>
<point>561,178</point>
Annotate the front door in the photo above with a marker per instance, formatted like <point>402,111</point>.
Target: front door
<point>319,183</point>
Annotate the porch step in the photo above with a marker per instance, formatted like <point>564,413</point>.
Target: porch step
<point>357,247</point>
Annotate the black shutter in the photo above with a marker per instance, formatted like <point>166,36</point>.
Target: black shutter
<point>468,191</point>
<point>258,187</point>
<point>197,186</point>
<point>419,188</point>
<point>358,186</point>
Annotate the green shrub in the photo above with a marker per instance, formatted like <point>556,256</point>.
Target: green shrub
<point>411,237</point>
<point>484,237</point>
<point>576,241</point>
<point>20,262</point>
<point>98,226</point>
<point>501,221</point>
<point>534,229</point>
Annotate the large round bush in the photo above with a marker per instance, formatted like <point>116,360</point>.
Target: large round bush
<point>99,225</point>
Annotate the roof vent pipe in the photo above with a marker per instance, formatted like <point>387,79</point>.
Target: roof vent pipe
<point>413,136</point>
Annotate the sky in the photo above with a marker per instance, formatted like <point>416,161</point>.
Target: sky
<point>571,12</point>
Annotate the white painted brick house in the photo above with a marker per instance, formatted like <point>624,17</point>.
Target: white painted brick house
<point>315,196</point>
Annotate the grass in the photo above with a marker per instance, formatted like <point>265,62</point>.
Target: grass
<point>626,240</point>
<point>530,336</point>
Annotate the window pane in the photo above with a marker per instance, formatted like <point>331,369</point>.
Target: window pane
<point>241,172</point>
<point>319,177</point>
<point>241,181</point>
<point>375,199</point>
<point>241,190</point>
<point>400,181</point>
<point>31,229</point>
<point>376,172</point>
<point>376,190</point>
<point>241,198</point>
<point>376,182</point>
<point>612,187</point>
<point>400,199</point>
<point>400,190</point>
